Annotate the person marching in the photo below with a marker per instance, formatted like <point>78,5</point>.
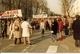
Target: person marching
<point>25,31</point>
<point>3,28</point>
<point>54,30</point>
<point>11,29</point>
<point>66,25</point>
<point>60,28</point>
<point>76,31</point>
<point>17,31</point>
<point>42,28</point>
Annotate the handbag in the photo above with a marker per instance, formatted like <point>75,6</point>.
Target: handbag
<point>16,28</point>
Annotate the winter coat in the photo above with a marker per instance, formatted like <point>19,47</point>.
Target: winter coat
<point>54,27</point>
<point>25,26</point>
<point>11,28</point>
<point>76,29</point>
<point>17,34</point>
<point>60,23</point>
<point>8,26</point>
<point>3,27</point>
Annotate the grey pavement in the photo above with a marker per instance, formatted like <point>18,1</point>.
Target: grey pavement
<point>39,45</point>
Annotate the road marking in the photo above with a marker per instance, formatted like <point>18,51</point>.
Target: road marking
<point>27,48</point>
<point>33,46</point>
<point>52,49</point>
<point>8,47</point>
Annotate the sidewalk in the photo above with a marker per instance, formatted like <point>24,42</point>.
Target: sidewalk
<point>67,45</point>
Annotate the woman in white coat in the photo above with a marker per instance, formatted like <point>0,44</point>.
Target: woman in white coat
<point>11,29</point>
<point>25,31</point>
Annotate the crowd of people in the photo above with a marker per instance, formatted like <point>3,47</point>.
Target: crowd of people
<point>18,28</point>
<point>15,28</point>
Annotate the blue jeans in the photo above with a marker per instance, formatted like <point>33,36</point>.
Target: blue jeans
<point>53,37</point>
<point>42,31</point>
<point>66,30</point>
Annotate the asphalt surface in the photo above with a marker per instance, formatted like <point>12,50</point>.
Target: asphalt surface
<point>39,45</point>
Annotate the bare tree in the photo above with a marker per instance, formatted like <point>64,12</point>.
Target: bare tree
<point>66,6</point>
<point>25,5</point>
<point>42,5</point>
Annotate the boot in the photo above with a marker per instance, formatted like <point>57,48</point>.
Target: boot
<point>15,41</point>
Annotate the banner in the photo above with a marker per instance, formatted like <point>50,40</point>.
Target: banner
<point>11,14</point>
<point>40,16</point>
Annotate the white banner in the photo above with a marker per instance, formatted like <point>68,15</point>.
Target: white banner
<point>40,16</point>
<point>12,14</point>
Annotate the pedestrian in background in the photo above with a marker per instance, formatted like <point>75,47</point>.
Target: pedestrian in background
<point>76,30</point>
<point>49,21</point>
<point>66,26</point>
<point>60,28</point>
<point>25,31</point>
<point>54,30</point>
<point>17,30</point>
<point>3,29</point>
<point>11,29</point>
<point>31,23</point>
<point>0,27</point>
<point>42,28</point>
<point>47,25</point>
<point>8,27</point>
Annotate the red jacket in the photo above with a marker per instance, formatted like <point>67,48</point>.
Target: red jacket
<point>60,23</point>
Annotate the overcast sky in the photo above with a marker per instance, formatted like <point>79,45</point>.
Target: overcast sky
<point>54,6</point>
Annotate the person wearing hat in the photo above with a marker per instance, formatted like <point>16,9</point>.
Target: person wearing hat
<point>17,30</point>
<point>76,30</point>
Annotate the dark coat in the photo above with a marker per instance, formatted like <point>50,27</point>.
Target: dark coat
<point>76,29</point>
<point>54,27</point>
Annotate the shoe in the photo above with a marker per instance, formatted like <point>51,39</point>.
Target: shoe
<point>30,44</point>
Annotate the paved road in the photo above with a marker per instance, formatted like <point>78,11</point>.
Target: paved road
<point>40,45</point>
